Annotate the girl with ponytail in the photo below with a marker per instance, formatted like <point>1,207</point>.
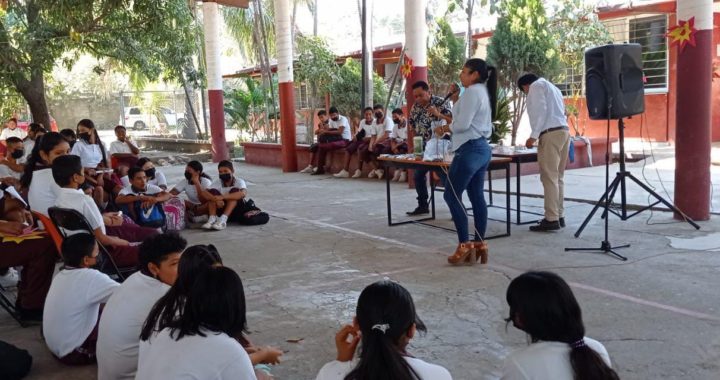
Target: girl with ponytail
<point>385,322</point>
<point>38,179</point>
<point>542,305</point>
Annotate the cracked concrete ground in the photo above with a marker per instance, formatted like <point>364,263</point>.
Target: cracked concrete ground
<point>658,314</point>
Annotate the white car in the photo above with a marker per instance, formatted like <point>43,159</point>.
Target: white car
<point>134,118</point>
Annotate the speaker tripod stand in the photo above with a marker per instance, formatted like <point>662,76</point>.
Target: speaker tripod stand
<point>610,191</point>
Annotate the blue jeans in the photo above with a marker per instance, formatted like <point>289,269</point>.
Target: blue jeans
<point>467,172</point>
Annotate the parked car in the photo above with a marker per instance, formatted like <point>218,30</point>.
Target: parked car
<point>134,118</point>
<point>24,120</point>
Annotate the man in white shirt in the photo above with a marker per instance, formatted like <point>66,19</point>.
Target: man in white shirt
<point>339,126</point>
<point>546,111</point>
<point>11,130</point>
<point>72,306</point>
<point>359,145</point>
<point>380,139</point>
<point>126,310</point>
<point>10,167</point>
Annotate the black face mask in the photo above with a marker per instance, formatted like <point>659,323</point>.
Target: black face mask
<point>188,176</point>
<point>378,114</point>
<point>225,177</point>
<point>396,121</point>
<point>335,118</point>
<point>85,136</point>
<point>18,154</point>
<point>150,173</point>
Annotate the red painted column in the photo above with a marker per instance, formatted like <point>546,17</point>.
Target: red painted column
<point>416,33</point>
<point>693,130</point>
<point>286,86</point>
<point>211,27</point>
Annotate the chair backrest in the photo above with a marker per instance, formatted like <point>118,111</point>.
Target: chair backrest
<point>69,220</point>
<point>51,229</point>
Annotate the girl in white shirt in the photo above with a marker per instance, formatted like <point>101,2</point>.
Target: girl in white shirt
<point>385,322</point>
<point>542,305</point>
<point>199,343</point>
<point>38,178</point>
<point>93,157</point>
<point>194,185</point>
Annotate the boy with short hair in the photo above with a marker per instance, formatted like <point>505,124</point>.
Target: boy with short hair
<point>72,306</point>
<point>128,307</point>
<point>226,191</point>
<point>139,191</point>
<point>359,145</point>
<point>10,167</point>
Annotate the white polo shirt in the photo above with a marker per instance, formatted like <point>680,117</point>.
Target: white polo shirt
<point>238,183</point>
<point>342,122</point>
<point>190,189</point>
<point>336,370</point>
<point>149,190</point>
<point>5,171</point>
<point>72,306</point>
<point>122,320</point>
<point>90,154</point>
<point>28,145</point>
<point>379,129</point>
<point>119,147</point>
<point>216,356</point>
<point>400,133</point>
<point>17,132</point>
<point>546,360</point>
<point>43,191</point>
<point>159,179</point>
<point>77,200</point>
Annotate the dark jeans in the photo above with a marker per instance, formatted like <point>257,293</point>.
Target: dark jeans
<point>467,172</point>
<point>37,257</point>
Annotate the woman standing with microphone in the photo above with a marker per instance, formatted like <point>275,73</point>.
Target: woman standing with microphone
<point>471,128</point>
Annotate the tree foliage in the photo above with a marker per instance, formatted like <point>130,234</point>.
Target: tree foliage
<point>521,43</point>
<point>346,91</point>
<point>445,57</point>
<point>245,106</point>
<point>315,64</point>
<point>151,37</point>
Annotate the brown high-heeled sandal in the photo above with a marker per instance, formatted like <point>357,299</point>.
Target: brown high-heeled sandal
<point>481,251</point>
<point>464,253</point>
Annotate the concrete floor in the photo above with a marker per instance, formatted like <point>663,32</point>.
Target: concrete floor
<point>658,314</point>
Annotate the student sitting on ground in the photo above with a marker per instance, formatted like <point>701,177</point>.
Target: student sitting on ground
<point>69,175</point>
<point>543,306</point>
<point>11,167</point>
<point>198,342</point>
<point>195,182</point>
<point>142,201</point>
<point>154,176</point>
<point>129,306</point>
<point>385,321</point>
<point>72,307</point>
<point>224,193</point>
<point>359,145</point>
<point>38,177</point>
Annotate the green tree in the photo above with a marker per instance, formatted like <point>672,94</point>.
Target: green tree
<point>345,91</point>
<point>445,57</point>
<point>575,27</point>
<point>521,43</point>
<point>315,65</point>
<point>151,37</point>
<point>245,106</point>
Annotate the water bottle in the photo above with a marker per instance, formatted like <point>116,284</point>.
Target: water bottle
<point>418,145</point>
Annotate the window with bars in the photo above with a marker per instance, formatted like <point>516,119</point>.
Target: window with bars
<point>302,96</point>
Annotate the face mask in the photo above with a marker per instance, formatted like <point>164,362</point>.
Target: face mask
<point>335,118</point>
<point>378,114</point>
<point>18,154</point>
<point>225,177</point>
<point>188,176</point>
<point>150,173</point>
<point>85,136</point>
<point>396,121</point>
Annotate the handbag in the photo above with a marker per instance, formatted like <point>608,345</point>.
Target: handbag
<point>248,214</point>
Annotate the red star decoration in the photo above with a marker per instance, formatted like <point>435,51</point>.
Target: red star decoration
<point>407,67</point>
<point>683,33</point>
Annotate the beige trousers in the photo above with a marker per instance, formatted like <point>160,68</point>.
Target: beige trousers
<point>552,157</point>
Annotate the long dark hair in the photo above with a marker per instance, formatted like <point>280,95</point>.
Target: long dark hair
<point>197,166</point>
<point>542,305</point>
<point>45,143</point>
<point>385,313</point>
<point>170,306</point>
<point>488,76</point>
<point>87,123</point>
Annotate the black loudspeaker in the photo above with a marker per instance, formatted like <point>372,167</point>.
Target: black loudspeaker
<point>614,74</point>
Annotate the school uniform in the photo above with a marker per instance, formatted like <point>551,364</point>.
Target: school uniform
<point>43,191</point>
<point>121,323</point>
<point>218,187</point>
<point>91,155</point>
<point>324,148</point>
<point>72,310</point>
<point>158,180</point>
<point>5,171</point>
<point>119,147</point>
<point>546,361</point>
<point>17,132</point>
<point>379,130</point>
<point>191,191</point>
<point>361,145</point>
<point>215,356</point>
<point>400,136</point>
<point>337,370</point>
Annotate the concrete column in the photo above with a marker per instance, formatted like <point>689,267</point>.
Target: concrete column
<point>693,121</point>
<point>416,33</point>
<point>286,85</point>
<point>211,28</point>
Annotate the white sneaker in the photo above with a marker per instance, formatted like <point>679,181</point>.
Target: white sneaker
<point>396,176</point>
<point>403,176</point>
<point>219,225</point>
<point>10,278</point>
<point>199,219</point>
<point>379,173</point>
<point>342,174</point>
<point>372,174</point>
<point>308,169</point>
<point>209,224</point>
<point>358,173</point>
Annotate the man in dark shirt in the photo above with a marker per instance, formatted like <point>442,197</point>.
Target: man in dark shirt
<point>426,108</point>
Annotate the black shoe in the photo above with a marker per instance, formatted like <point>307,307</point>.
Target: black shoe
<point>420,210</point>
<point>28,315</point>
<point>562,222</point>
<point>546,225</point>
<point>318,172</point>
